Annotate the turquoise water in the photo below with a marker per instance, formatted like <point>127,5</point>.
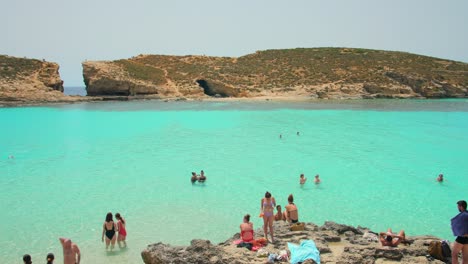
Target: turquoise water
<point>378,161</point>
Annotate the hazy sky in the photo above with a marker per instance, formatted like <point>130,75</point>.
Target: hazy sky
<point>70,32</point>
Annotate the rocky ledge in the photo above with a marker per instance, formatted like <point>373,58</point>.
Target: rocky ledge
<point>324,73</point>
<point>30,81</point>
<point>337,243</point>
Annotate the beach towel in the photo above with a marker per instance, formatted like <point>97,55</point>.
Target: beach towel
<point>306,250</point>
<point>256,244</point>
<point>460,224</point>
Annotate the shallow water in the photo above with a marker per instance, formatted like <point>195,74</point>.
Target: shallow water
<point>378,160</point>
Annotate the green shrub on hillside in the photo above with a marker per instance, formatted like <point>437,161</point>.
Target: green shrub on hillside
<point>143,72</point>
<point>11,67</point>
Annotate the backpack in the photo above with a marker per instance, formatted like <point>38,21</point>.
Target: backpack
<point>440,250</point>
<point>435,250</point>
<point>446,251</point>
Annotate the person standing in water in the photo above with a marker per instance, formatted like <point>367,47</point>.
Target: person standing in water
<point>108,230</point>
<point>267,205</point>
<point>71,252</point>
<point>202,177</point>
<point>194,177</point>
<point>27,259</point>
<point>121,230</point>
<point>302,179</point>
<point>50,258</point>
<point>317,179</point>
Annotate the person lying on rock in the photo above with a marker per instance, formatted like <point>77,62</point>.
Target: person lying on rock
<point>390,239</point>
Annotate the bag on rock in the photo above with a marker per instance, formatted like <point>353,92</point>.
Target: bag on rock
<point>297,227</point>
<point>446,251</point>
<point>435,250</point>
<point>440,250</point>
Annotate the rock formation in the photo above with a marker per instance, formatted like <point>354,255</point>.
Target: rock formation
<point>334,73</point>
<point>30,81</point>
<point>337,243</point>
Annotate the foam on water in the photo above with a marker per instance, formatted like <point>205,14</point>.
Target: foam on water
<point>378,161</point>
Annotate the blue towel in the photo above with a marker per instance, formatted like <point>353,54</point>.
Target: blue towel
<point>460,224</point>
<point>306,250</point>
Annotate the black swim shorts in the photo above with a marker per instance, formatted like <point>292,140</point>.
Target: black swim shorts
<point>462,240</point>
<point>294,221</point>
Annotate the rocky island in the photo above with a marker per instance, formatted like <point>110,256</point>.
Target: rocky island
<point>31,81</point>
<point>303,73</point>
<point>319,73</point>
<point>337,243</point>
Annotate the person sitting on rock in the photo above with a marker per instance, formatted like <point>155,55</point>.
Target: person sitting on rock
<point>291,215</point>
<point>390,239</point>
<point>279,215</point>
<point>246,228</point>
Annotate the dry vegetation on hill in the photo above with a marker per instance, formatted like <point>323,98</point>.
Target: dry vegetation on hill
<point>316,72</point>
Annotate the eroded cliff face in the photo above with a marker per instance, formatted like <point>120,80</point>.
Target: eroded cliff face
<point>327,73</point>
<point>112,78</point>
<point>30,81</point>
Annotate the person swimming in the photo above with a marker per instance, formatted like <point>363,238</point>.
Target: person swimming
<point>202,177</point>
<point>440,178</point>
<point>317,179</point>
<point>302,179</point>
<point>194,177</point>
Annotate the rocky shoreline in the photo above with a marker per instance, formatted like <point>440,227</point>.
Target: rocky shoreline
<point>337,243</point>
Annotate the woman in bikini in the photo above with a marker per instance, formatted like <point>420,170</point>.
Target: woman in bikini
<point>108,230</point>
<point>246,228</point>
<point>121,230</point>
<point>291,214</point>
<point>267,205</point>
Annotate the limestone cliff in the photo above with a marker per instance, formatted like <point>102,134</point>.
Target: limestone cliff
<point>30,81</point>
<point>317,73</point>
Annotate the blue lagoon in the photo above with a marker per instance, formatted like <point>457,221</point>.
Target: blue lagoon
<point>72,164</point>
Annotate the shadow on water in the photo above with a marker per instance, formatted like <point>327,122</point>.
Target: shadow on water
<point>199,185</point>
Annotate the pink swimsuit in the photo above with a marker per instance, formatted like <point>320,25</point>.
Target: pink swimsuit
<point>122,230</point>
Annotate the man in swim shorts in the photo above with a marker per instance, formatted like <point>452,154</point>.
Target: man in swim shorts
<point>460,229</point>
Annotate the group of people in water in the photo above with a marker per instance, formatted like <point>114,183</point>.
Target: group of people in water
<point>71,253</point>
<point>112,231</point>
<point>303,179</point>
<point>200,178</point>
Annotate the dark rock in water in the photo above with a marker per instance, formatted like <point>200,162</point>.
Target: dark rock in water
<point>337,243</point>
